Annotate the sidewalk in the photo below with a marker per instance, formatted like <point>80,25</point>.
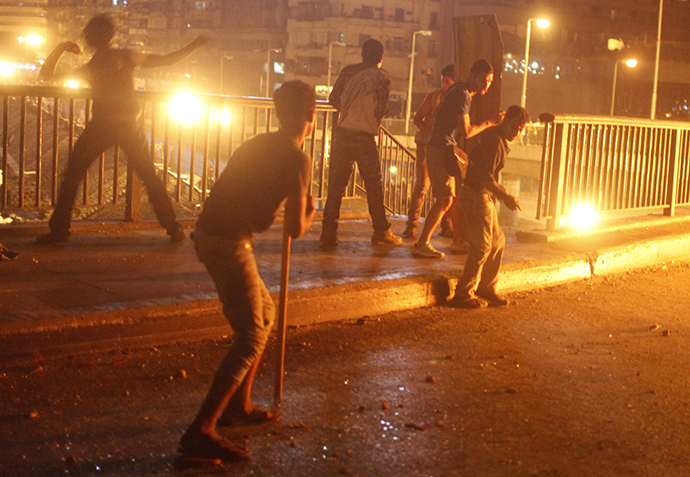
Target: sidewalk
<point>118,285</point>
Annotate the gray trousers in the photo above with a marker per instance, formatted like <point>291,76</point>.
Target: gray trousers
<point>246,302</point>
<point>487,243</point>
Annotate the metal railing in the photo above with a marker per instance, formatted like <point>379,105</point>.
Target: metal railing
<point>41,123</point>
<point>613,164</point>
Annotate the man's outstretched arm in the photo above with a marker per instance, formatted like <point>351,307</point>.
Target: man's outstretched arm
<point>153,61</point>
<point>48,69</point>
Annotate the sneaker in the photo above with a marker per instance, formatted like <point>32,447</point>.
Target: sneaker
<point>385,237</point>
<point>493,299</point>
<point>410,232</point>
<point>425,250</point>
<point>177,235</point>
<point>473,303</point>
<point>329,239</point>
<point>459,247</point>
<point>52,238</point>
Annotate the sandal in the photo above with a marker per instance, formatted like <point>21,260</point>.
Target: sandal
<point>206,447</point>
<point>257,416</point>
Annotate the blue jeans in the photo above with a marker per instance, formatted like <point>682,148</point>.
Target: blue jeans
<point>487,243</point>
<point>350,147</point>
<point>246,302</point>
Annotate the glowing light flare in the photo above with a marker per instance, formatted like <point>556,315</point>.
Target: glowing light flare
<point>186,108</point>
<point>543,23</point>
<point>583,216</point>
<point>223,116</point>
<point>72,83</point>
<point>393,169</point>
<point>34,40</point>
<point>7,69</point>
<point>631,63</point>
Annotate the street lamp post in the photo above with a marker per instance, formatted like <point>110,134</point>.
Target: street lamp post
<point>268,68</point>
<point>222,59</point>
<point>631,63</point>
<point>330,56</point>
<point>409,86</point>
<point>541,23</point>
<point>656,60</point>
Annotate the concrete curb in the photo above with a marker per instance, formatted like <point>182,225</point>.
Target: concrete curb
<point>199,317</point>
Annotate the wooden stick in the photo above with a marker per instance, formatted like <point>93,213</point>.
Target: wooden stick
<point>282,315</point>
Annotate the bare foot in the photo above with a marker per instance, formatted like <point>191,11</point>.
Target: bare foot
<point>211,446</point>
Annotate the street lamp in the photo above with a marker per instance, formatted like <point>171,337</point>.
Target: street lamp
<point>222,58</point>
<point>541,23</point>
<point>631,63</point>
<point>656,60</point>
<point>409,87</point>
<point>268,67</point>
<point>330,55</point>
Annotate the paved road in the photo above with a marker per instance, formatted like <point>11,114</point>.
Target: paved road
<point>588,378</point>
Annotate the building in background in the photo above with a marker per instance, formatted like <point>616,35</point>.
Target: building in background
<point>318,30</point>
<point>259,44</point>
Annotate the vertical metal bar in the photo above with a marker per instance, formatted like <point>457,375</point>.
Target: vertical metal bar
<point>152,146</point>
<point>166,151</point>
<point>231,138</point>
<point>635,167</point>
<point>312,152</point>
<point>219,146</point>
<point>557,179</point>
<point>204,169</point>
<point>269,117</point>
<point>544,170</point>
<point>178,186</point>
<point>39,149</point>
<point>56,141</point>
<point>243,130</point>
<point>85,189</point>
<point>192,164</point>
<point>672,184</point>
<point>324,137</point>
<point>22,152</point>
<point>5,141</point>
<point>116,174</point>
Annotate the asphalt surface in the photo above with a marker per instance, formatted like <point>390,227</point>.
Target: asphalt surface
<point>587,378</point>
<point>115,284</point>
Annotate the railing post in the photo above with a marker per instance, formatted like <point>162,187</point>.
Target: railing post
<point>555,194</point>
<point>132,196</point>
<point>672,186</point>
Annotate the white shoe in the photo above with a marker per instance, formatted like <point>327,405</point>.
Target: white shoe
<point>425,250</point>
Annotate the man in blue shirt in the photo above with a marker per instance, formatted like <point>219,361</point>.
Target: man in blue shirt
<point>451,128</point>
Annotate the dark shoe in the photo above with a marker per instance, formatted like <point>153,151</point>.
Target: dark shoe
<point>446,232</point>
<point>385,237</point>
<point>177,235</point>
<point>493,299</point>
<point>329,239</point>
<point>410,232</point>
<point>52,238</point>
<point>473,303</point>
<point>459,247</point>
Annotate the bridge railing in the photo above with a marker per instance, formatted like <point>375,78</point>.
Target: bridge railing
<point>612,164</point>
<point>41,123</point>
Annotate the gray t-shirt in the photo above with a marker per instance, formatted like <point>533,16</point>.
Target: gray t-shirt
<point>259,176</point>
